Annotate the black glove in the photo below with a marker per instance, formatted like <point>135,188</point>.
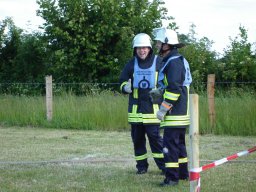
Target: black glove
<point>155,95</point>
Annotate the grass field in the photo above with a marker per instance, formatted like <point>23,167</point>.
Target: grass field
<point>56,160</point>
<point>107,111</point>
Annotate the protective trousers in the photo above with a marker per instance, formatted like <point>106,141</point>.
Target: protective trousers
<point>175,154</point>
<point>138,134</point>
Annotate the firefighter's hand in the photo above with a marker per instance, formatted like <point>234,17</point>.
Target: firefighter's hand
<point>160,115</point>
<point>128,87</point>
<point>155,95</point>
<point>164,108</point>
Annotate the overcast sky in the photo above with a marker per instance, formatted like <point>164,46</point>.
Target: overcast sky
<point>216,19</point>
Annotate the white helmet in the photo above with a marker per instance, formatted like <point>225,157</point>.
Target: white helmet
<point>141,40</point>
<point>166,36</point>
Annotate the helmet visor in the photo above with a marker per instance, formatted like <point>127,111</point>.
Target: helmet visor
<point>159,34</point>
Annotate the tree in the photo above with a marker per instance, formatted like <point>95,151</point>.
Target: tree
<point>91,40</point>
<point>22,56</point>
<point>238,62</point>
<point>10,41</point>
<point>30,61</point>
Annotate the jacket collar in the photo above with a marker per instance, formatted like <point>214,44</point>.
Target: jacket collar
<point>173,52</point>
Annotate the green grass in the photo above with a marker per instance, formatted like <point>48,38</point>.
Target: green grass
<point>235,115</point>
<point>56,160</point>
<point>105,111</point>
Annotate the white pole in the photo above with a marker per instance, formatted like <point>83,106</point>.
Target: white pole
<point>194,136</point>
<point>210,94</point>
<point>48,80</point>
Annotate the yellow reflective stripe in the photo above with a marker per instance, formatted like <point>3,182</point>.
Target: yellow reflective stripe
<point>158,155</point>
<point>134,117</point>
<point>165,80</point>
<point>172,165</point>
<point>139,119</point>
<point>135,93</point>
<point>151,118</point>
<point>134,120</point>
<point>123,84</point>
<point>155,108</point>
<point>148,116</point>
<point>140,115</point>
<point>141,157</point>
<point>171,96</point>
<point>174,123</point>
<point>155,121</point>
<point>156,78</point>
<point>183,160</point>
<point>134,109</point>
<point>178,118</point>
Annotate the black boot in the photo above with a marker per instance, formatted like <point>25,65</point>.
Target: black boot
<point>184,178</point>
<point>163,171</point>
<point>142,171</point>
<point>168,182</point>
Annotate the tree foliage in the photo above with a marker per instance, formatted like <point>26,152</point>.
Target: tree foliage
<point>238,63</point>
<point>10,42</point>
<point>22,56</point>
<point>31,59</point>
<point>91,40</point>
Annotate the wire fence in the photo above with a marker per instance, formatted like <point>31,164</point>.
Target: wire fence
<point>84,88</point>
<point>81,88</point>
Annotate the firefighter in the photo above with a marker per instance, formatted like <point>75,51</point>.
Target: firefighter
<point>138,77</point>
<point>174,81</point>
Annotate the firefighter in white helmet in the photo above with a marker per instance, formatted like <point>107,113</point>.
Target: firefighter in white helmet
<point>137,79</point>
<point>174,81</point>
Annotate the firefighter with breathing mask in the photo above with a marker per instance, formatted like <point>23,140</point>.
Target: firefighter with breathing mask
<point>173,81</point>
<point>137,79</point>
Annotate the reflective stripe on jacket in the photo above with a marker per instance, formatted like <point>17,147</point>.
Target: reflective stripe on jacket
<point>176,93</point>
<point>140,107</point>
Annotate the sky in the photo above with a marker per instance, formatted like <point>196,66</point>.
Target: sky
<point>218,20</point>
<point>23,13</point>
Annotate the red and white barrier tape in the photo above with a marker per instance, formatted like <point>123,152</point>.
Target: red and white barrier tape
<point>194,173</point>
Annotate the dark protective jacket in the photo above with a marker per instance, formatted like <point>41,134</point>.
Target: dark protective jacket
<point>141,110</point>
<point>175,91</point>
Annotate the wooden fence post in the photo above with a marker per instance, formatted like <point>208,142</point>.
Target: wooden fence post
<point>194,136</point>
<point>48,83</point>
<point>210,95</point>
